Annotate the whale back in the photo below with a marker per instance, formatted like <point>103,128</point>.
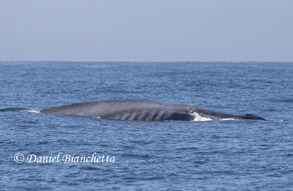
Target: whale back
<point>251,116</point>
<point>142,110</point>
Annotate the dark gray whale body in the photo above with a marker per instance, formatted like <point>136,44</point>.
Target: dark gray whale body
<point>142,110</point>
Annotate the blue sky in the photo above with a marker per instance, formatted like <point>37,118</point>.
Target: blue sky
<point>146,30</point>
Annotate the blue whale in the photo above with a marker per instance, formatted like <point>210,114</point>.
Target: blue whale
<point>142,110</point>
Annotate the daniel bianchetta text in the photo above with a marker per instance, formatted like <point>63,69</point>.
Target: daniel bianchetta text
<point>64,158</point>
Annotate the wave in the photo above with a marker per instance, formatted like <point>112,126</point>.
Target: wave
<point>282,100</point>
<point>197,117</point>
<point>286,100</point>
<point>30,111</point>
<point>227,119</point>
<point>18,109</point>
<point>12,109</point>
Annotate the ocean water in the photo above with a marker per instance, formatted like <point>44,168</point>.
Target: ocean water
<point>209,155</point>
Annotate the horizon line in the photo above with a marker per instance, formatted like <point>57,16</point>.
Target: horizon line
<point>152,61</point>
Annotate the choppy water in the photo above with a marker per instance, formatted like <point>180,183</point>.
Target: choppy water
<point>211,155</point>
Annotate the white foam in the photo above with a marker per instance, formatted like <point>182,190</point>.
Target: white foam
<point>197,117</point>
<point>30,111</point>
<point>227,119</point>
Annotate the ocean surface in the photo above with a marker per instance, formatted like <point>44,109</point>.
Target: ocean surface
<point>36,149</point>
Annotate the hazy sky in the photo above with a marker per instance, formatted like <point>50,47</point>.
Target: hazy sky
<point>146,30</point>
